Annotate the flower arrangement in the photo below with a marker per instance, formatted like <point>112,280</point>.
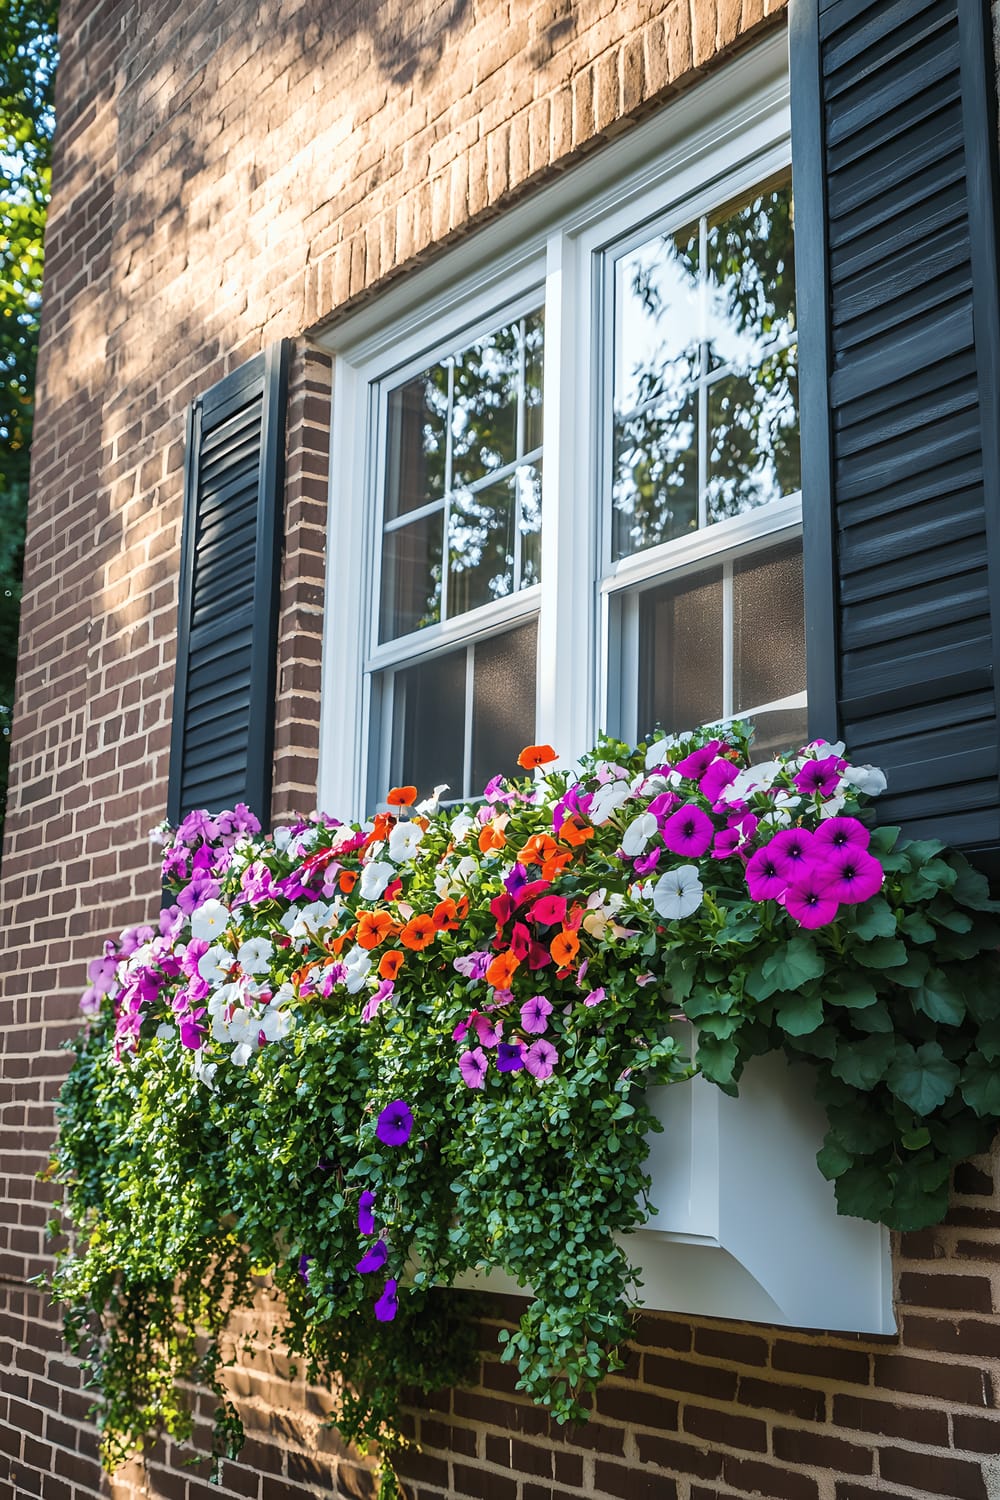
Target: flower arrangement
<point>366,1059</point>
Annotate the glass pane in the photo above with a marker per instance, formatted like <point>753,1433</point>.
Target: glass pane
<point>484,411</point>
<point>503,697</point>
<point>680,654</point>
<point>481,546</point>
<point>657,320</point>
<point>529,493</point>
<point>428,742</point>
<point>655,481</point>
<point>416,448</point>
<point>769,648</point>
<point>411,577</point>
<point>750,275</point>
<point>753,454</point>
<point>781,729</point>
<point>534,337</point>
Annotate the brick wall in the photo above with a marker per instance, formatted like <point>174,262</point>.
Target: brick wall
<point>227,173</point>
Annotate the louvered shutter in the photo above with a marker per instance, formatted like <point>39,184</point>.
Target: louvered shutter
<point>894,160</point>
<point>222,737</point>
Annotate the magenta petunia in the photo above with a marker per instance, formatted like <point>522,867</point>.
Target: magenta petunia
<point>719,775</point>
<point>547,910</point>
<point>765,879</point>
<point>808,898</point>
<point>473,1065</point>
<point>697,763</point>
<point>852,874</point>
<point>595,997</point>
<point>366,1219</point>
<point>385,1307</point>
<point>535,1014</point>
<point>489,1032</point>
<point>842,833</point>
<point>374,1258</point>
<point>792,850</point>
<point>645,864</point>
<point>384,992</point>
<point>663,805</point>
<point>688,831</point>
<point>192,1031</point>
<point>395,1123</point>
<point>820,777</point>
<point>540,1059</point>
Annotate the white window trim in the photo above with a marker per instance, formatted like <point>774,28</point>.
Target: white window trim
<point>733,129</point>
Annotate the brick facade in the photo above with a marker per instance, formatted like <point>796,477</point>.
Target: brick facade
<point>228,174</point>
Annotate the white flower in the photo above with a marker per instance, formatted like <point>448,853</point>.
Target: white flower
<point>225,995</point>
<point>460,826</point>
<point>203,1071</point>
<point>282,837</point>
<point>656,755</point>
<point>787,799</point>
<point>283,995</point>
<point>431,804</point>
<point>242,1054</point>
<point>832,807</point>
<point>607,799</point>
<point>869,780</point>
<point>374,879</point>
<point>215,963</point>
<point>300,921</point>
<point>255,955</point>
<point>302,843</point>
<point>465,869</point>
<point>759,778</point>
<point>209,920</point>
<point>778,817</point>
<point>356,965</point>
<point>404,841</point>
<point>164,1031</point>
<point>276,1024</point>
<point>638,834</point>
<point>678,893</point>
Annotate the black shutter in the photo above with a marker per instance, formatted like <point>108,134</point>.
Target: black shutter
<point>223,718</point>
<point>894,159</point>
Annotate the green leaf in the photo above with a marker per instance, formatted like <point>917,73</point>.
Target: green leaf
<point>981,1086</point>
<point>917,927</point>
<point>717,1059</point>
<point>971,887</point>
<point>875,919</point>
<point>864,1064</point>
<point>864,1192</point>
<point>833,1161</point>
<point>939,1000</point>
<point>706,1001</point>
<point>679,975</point>
<point>875,1017</point>
<point>883,953</point>
<point>916,1139</point>
<point>800,1013</point>
<point>913,972</point>
<point>988,1040</point>
<point>922,1076</point>
<point>794,964</point>
<point>856,994</point>
<point>920,1194</point>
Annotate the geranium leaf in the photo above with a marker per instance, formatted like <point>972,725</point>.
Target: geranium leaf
<point>800,1013</point>
<point>864,1064</point>
<point>794,964</point>
<point>920,1194</point>
<point>875,920</point>
<point>937,998</point>
<point>833,1161</point>
<point>857,994</point>
<point>981,1086</point>
<point>865,1192</point>
<point>922,1076</point>
<point>917,927</point>
<point>883,953</point>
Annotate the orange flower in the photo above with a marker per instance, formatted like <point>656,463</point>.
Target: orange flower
<point>373,928</point>
<point>418,932</point>
<point>348,880</point>
<point>555,864</point>
<point>445,916</point>
<point>538,848</point>
<point>564,948</point>
<point>402,796</point>
<point>491,838</point>
<point>572,833</point>
<point>337,945</point>
<point>390,963</point>
<point>501,970</point>
<point>536,755</point>
<point>462,907</point>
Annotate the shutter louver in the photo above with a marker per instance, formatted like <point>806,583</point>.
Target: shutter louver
<point>222,737</point>
<point>894,141</point>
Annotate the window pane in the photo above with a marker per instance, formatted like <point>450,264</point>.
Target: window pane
<point>769,649</point>
<point>481,546</point>
<point>750,271</point>
<point>503,714</point>
<point>534,333</point>
<point>781,729</point>
<point>680,654</point>
<point>416,448</point>
<point>484,414</point>
<point>529,491</point>
<point>655,483</point>
<point>753,437</point>
<point>428,742</point>
<point>657,320</point>
<point>411,577</point>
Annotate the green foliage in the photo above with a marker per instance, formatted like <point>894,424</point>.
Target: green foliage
<point>225,1115</point>
<point>27,69</point>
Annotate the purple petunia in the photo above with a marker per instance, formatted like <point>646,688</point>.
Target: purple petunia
<point>808,899</point>
<point>719,775</point>
<point>374,1258</point>
<point>366,1219</point>
<point>697,763</point>
<point>842,833</point>
<point>765,878</point>
<point>395,1123</point>
<point>792,851</point>
<point>535,1014</point>
<point>473,1065</point>
<point>851,874</point>
<point>304,1262</point>
<point>540,1059</point>
<point>510,1057</point>
<point>385,1307</point>
<point>820,777</point>
<point>688,831</point>
<point>471,965</point>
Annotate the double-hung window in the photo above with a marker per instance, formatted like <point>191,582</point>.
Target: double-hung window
<point>565,480</point>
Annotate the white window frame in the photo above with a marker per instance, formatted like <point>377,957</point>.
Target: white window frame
<point>726,135</point>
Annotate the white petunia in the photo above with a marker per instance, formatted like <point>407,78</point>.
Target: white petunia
<point>282,838</point>
<point>300,921</point>
<point>678,893</point>
<point>164,1031</point>
<point>758,778</point>
<point>461,826</point>
<point>656,755</point>
<point>607,799</point>
<point>209,920</point>
<point>374,879</point>
<point>215,963</point>
<point>404,841</point>
<point>242,1054</point>
<point>255,955</point>
<point>225,995</point>
<point>778,817</point>
<point>276,1024</point>
<point>832,807</point>
<point>356,965</point>
<point>431,805</point>
<point>282,995</point>
<point>638,834</point>
<point>868,780</point>
<point>205,1071</point>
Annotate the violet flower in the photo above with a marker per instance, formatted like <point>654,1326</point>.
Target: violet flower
<point>366,1219</point>
<point>688,831</point>
<point>510,1057</point>
<point>374,1258</point>
<point>535,1014</point>
<point>540,1059</point>
<point>473,1065</point>
<point>385,1307</point>
<point>395,1123</point>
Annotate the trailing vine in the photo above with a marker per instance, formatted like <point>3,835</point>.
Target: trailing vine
<point>367,1060</point>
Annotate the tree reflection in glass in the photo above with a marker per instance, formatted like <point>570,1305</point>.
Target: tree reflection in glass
<point>705,408</point>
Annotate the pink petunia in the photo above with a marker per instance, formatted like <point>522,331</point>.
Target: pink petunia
<point>765,878</point>
<point>688,831</point>
<point>852,874</point>
<point>383,992</point>
<point>473,1065</point>
<point>595,997</point>
<point>792,850</point>
<point>808,899</point>
<point>820,777</point>
<point>489,1032</point>
<point>535,1014</point>
<point>697,763</point>
<point>719,774</point>
<point>842,833</point>
<point>540,1059</point>
<point>547,910</point>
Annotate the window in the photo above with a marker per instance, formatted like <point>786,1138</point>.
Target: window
<point>566,480</point>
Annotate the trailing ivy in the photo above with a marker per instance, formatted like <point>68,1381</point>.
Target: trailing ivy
<point>365,1061</point>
